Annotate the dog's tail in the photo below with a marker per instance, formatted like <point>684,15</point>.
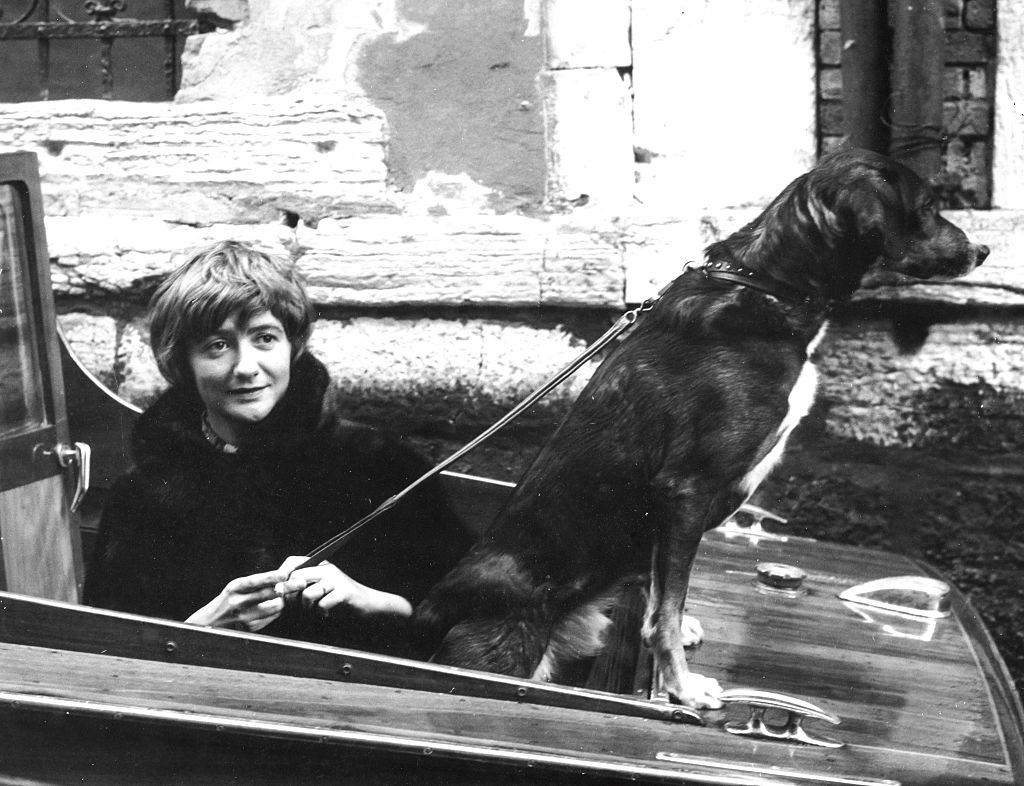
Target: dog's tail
<point>503,646</point>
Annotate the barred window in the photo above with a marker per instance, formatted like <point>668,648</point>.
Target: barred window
<point>117,49</point>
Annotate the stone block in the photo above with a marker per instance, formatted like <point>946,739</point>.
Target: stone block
<point>831,118</point>
<point>971,117</point>
<point>283,47</point>
<point>967,47</point>
<point>961,387</point>
<point>687,57</point>
<point>233,11</point>
<point>457,361</point>
<point>828,14</point>
<point>960,82</point>
<point>582,266</point>
<point>589,138</point>
<point>99,255</point>
<point>830,84</point>
<point>980,14</point>
<point>587,34</point>
<point>830,48</point>
<point>141,380</point>
<point>441,376</point>
<point>205,163</point>
<point>458,82</point>
<point>953,83</point>
<point>952,14</point>
<point>478,260</point>
<point>967,160</point>
<point>94,341</point>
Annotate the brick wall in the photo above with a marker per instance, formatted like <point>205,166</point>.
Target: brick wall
<point>969,86</point>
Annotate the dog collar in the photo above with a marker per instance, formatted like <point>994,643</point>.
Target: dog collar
<point>722,270</point>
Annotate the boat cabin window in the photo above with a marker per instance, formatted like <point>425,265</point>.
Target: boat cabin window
<point>21,384</point>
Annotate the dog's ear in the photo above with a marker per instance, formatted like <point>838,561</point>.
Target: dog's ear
<point>870,210</point>
<point>823,215</point>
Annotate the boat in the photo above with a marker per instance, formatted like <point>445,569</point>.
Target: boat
<point>842,665</point>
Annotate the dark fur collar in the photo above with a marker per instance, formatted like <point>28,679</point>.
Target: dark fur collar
<point>171,429</point>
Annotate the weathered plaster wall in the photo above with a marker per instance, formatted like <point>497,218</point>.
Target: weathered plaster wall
<point>240,162</point>
<point>461,97</point>
<point>724,100</point>
<point>1008,162</point>
<point>456,81</point>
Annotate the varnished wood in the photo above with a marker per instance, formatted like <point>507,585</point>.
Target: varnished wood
<point>38,541</point>
<point>914,710</point>
<point>25,620</point>
<point>897,682</point>
<point>314,712</point>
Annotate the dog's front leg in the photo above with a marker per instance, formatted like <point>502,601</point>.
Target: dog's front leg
<point>666,630</point>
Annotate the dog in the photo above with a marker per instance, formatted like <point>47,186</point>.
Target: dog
<point>679,425</point>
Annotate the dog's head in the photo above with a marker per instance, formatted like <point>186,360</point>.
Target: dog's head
<point>856,214</point>
<point>881,210</point>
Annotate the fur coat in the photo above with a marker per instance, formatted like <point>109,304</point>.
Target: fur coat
<point>189,518</point>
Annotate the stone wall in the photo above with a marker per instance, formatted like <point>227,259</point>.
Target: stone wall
<point>475,191</point>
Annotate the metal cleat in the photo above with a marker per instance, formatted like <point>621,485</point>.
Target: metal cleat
<point>756,531</point>
<point>797,711</point>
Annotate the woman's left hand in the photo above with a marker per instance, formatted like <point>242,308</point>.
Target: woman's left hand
<point>327,587</point>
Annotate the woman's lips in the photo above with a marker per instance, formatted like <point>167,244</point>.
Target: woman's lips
<point>246,391</point>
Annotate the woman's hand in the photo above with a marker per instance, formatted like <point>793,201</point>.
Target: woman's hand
<point>326,588</point>
<point>248,603</point>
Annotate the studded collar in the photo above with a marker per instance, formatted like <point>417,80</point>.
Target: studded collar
<point>724,270</point>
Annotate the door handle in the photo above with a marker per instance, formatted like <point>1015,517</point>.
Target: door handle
<point>79,454</point>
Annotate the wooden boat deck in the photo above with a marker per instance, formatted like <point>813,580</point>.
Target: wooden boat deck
<point>911,694</point>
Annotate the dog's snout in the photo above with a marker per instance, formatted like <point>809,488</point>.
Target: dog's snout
<point>982,252</point>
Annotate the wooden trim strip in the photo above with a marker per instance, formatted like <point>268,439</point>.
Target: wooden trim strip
<point>43,623</point>
<point>696,773</point>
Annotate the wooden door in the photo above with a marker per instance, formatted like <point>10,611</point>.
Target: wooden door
<point>39,542</point>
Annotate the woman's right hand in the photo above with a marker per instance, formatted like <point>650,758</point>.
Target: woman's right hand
<point>248,603</point>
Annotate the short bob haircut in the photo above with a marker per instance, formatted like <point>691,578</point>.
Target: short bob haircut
<point>213,284</point>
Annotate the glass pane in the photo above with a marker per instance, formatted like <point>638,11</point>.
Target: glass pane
<point>21,383</point>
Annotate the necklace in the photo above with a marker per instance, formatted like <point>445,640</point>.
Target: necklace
<point>216,441</point>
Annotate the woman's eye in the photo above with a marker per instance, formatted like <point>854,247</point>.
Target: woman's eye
<point>216,347</point>
<point>267,338</point>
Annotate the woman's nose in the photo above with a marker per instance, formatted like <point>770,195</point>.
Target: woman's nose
<point>246,364</point>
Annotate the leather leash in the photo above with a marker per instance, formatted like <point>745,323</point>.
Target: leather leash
<point>329,547</point>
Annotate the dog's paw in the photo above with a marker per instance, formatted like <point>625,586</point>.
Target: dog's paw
<point>700,693</point>
<point>692,630</point>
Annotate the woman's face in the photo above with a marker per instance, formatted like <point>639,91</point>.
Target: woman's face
<point>241,370</point>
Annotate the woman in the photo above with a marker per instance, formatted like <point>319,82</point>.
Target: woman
<point>244,464</point>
